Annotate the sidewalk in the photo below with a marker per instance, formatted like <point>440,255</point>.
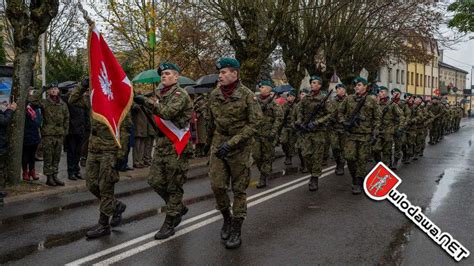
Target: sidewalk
<point>35,189</point>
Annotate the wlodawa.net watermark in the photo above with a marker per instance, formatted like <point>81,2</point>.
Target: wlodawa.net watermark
<point>381,184</point>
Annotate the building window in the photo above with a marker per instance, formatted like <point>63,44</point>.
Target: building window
<point>416,80</point>
<point>389,75</point>
<point>398,76</point>
<point>402,77</point>
<point>432,82</point>
<point>412,78</point>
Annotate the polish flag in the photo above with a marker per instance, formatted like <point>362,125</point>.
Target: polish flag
<point>179,137</point>
<point>111,90</point>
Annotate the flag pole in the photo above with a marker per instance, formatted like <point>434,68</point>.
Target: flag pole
<point>85,14</point>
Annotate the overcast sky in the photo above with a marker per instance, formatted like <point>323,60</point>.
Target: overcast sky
<point>462,57</point>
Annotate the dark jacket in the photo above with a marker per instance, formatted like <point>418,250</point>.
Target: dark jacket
<point>32,134</point>
<point>5,119</point>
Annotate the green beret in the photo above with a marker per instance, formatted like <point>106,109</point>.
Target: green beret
<point>305,90</point>
<point>168,66</point>
<point>383,88</point>
<point>315,78</point>
<point>360,79</point>
<point>407,95</point>
<point>224,62</point>
<point>53,84</point>
<point>435,98</point>
<point>268,83</point>
<point>396,90</point>
<point>340,85</point>
<point>374,91</point>
<point>292,93</point>
<point>419,97</point>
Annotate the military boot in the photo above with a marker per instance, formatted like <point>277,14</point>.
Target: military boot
<point>394,165</point>
<point>117,217</point>
<point>263,181</point>
<point>225,230</point>
<point>339,167</point>
<point>102,229</point>
<point>179,217</point>
<point>288,160</point>
<point>313,183</point>
<point>356,189</point>
<point>234,240</point>
<point>57,181</point>
<point>50,181</point>
<point>167,229</point>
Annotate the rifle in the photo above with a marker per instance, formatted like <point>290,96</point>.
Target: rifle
<point>314,114</point>
<point>355,114</point>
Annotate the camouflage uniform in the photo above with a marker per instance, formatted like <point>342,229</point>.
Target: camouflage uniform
<point>265,139</point>
<point>412,120</point>
<point>288,135</point>
<point>168,170</point>
<point>437,111</point>
<point>299,139</point>
<point>357,150</point>
<point>338,134</point>
<point>103,153</point>
<point>54,127</point>
<point>233,120</point>
<point>313,141</point>
<point>421,124</point>
<point>202,112</point>
<point>400,141</point>
<point>392,118</point>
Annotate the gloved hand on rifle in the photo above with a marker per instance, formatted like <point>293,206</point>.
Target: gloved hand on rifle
<point>300,127</point>
<point>399,132</point>
<point>312,125</point>
<point>223,150</point>
<point>139,99</point>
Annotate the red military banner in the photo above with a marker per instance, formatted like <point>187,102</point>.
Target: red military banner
<point>111,90</point>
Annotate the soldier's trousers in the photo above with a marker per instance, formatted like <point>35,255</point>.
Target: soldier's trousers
<point>288,142</point>
<point>312,147</point>
<point>3,170</point>
<point>420,141</point>
<point>338,142</point>
<point>410,144</point>
<point>263,155</point>
<point>167,177</point>
<point>147,155</point>
<point>52,146</point>
<point>101,179</point>
<point>357,153</point>
<point>386,151</point>
<point>232,171</point>
<point>74,145</point>
<point>139,150</point>
<point>398,146</point>
<point>327,145</point>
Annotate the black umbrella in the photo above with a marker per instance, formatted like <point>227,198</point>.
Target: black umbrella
<point>197,90</point>
<point>207,81</point>
<point>67,84</point>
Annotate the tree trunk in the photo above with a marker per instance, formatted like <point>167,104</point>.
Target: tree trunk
<point>23,75</point>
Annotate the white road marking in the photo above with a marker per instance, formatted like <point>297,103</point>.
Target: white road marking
<point>185,222</point>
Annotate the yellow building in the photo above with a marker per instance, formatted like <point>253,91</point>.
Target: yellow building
<point>422,79</point>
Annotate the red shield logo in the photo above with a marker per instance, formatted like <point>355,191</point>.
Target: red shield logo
<point>380,181</point>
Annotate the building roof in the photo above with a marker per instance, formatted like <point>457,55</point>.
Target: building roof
<point>442,64</point>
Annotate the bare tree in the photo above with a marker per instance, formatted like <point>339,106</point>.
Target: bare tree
<point>29,21</point>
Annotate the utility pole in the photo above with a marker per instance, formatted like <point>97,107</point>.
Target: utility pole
<point>43,59</point>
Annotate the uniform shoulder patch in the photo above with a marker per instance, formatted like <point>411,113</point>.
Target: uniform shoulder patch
<point>177,93</point>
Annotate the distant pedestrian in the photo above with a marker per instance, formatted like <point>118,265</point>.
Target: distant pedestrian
<point>31,141</point>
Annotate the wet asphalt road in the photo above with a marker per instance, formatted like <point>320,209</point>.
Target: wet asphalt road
<point>286,224</point>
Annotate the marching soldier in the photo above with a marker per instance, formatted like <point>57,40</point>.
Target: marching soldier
<point>361,117</point>
<point>338,135</point>
<point>392,119</point>
<point>437,111</point>
<point>168,169</point>
<point>202,111</point>
<point>422,117</point>
<point>299,135</point>
<point>54,128</point>
<point>288,136</point>
<point>234,119</point>
<point>400,135</point>
<point>313,114</point>
<point>101,166</point>
<point>265,139</point>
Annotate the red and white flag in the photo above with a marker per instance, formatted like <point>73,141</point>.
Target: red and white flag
<point>178,136</point>
<point>112,92</point>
